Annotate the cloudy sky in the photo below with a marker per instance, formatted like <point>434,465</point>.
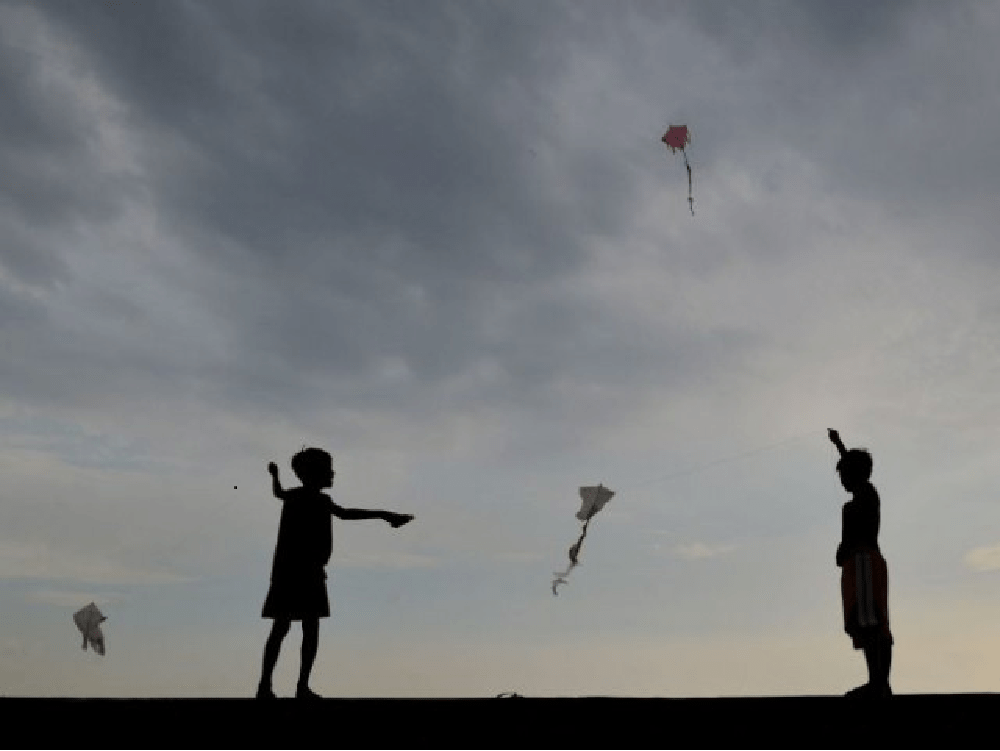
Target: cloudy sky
<point>443,241</point>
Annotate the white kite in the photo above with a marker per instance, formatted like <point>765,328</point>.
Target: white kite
<point>594,497</point>
<point>89,620</point>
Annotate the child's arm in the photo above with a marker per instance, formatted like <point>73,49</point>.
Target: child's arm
<point>396,520</point>
<point>835,437</point>
<point>275,482</point>
<point>843,546</point>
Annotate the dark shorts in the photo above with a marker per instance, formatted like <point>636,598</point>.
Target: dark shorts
<point>864,588</point>
<point>297,597</point>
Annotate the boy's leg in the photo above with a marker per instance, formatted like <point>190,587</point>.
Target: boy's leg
<point>310,644</point>
<point>271,648</point>
<point>878,655</point>
<point>884,663</point>
<point>871,660</point>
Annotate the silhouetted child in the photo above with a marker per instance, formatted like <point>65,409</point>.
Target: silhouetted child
<point>298,576</point>
<point>864,579</point>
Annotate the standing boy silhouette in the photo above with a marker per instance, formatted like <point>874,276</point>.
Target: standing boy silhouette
<point>864,579</point>
<point>298,576</point>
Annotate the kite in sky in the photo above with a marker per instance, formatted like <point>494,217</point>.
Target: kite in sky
<point>88,620</point>
<point>677,137</point>
<point>594,497</point>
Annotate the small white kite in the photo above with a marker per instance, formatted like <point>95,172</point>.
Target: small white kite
<point>594,497</point>
<point>89,620</point>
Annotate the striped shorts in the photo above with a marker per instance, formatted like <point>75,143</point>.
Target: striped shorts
<point>864,587</point>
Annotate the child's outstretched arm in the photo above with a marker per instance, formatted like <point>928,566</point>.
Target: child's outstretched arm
<point>275,482</point>
<point>835,437</point>
<point>396,520</point>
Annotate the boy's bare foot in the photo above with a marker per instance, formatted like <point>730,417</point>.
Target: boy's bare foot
<point>304,692</point>
<point>265,692</point>
<point>861,692</point>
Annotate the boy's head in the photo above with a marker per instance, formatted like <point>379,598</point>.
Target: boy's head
<point>314,467</point>
<point>855,468</point>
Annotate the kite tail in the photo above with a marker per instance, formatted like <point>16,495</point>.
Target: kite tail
<point>574,554</point>
<point>690,197</point>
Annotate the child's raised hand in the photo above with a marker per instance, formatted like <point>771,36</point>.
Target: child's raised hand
<point>835,437</point>
<point>398,520</point>
<point>272,468</point>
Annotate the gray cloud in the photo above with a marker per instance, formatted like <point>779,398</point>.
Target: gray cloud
<point>276,128</point>
<point>358,191</point>
<point>387,205</point>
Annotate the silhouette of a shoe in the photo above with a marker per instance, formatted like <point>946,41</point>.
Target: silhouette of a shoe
<point>304,692</point>
<point>868,691</point>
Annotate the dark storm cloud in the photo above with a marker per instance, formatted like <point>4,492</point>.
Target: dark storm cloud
<point>888,99</point>
<point>50,174</point>
<point>838,31</point>
<point>358,182</point>
<point>272,125</point>
<point>377,198</point>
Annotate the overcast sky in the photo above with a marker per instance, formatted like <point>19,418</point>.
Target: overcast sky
<point>443,241</point>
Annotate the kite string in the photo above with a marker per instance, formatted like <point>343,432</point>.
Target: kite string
<point>575,550</point>
<point>727,459</point>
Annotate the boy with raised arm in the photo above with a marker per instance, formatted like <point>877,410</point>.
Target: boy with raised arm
<point>298,576</point>
<point>864,579</point>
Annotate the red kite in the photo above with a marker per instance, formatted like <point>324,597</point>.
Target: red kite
<point>677,137</point>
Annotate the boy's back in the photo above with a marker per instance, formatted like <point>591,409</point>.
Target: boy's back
<point>861,520</point>
<point>305,537</point>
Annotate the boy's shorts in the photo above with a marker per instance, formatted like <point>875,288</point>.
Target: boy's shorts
<point>298,597</point>
<point>864,588</point>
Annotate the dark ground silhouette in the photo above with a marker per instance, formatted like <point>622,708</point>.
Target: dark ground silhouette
<point>903,721</point>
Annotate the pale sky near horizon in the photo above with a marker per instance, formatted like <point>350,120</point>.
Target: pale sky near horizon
<point>443,241</point>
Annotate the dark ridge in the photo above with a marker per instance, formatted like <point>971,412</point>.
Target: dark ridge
<point>912,721</point>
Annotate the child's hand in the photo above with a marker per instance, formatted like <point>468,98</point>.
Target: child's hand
<point>835,437</point>
<point>398,520</point>
<point>272,468</point>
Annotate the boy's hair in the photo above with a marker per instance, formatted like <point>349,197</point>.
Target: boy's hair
<point>857,463</point>
<point>309,462</point>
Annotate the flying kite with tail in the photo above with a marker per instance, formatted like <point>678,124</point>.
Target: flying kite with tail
<point>677,137</point>
<point>594,497</point>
